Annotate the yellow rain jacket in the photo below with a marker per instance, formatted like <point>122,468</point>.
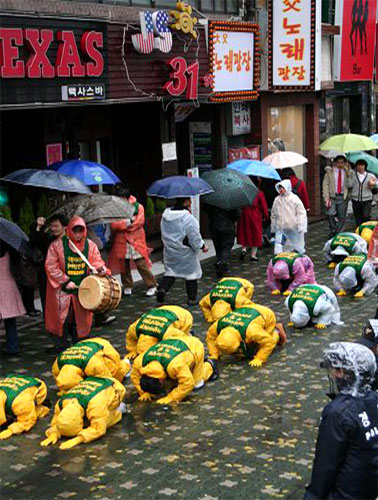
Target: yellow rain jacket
<point>155,325</point>
<point>250,329</point>
<point>365,230</point>
<point>228,294</point>
<point>21,399</point>
<point>93,357</point>
<point>180,360</point>
<point>96,399</point>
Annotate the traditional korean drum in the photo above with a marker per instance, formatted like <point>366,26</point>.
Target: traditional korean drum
<point>99,293</point>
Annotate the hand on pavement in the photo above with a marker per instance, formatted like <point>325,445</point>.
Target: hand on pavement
<point>320,326</point>
<point>71,443</point>
<point>287,292</point>
<point>52,439</point>
<point>6,434</point>
<point>165,401</point>
<point>332,265</point>
<point>255,363</point>
<point>276,292</point>
<point>357,295</point>
<point>131,355</point>
<point>291,323</point>
<point>146,396</point>
<point>341,293</point>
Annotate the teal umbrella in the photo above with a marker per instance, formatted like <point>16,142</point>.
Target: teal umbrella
<point>231,189</point>
<point>370,160</point>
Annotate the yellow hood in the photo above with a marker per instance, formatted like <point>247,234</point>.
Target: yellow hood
<point>220,309</point>
<point>70,420</point>
<point>154,369</point>
<point>69,376</point>
<point>366,234</point>
<point>3,398</point>
<point>228,341</point>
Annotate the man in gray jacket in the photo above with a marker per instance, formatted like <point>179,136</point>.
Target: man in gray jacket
<point>362,196</point>
<point>336,186</point>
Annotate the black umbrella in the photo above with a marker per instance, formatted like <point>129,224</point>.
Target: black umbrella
<point>47,179</point>
<point>15,237</point>
<point>231,189</point>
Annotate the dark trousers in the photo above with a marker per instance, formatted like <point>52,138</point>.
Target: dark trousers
<point>361,211</point>
<point>144,271</point>
<point>336,215</point>
<point>223,243</point>
<point>11,335</point>
<point>28,298</point>
<point>42,281</point>
<point>69,330</point>
<point>191,286</point>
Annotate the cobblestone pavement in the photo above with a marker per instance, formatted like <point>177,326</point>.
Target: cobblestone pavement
<point>250,434</point>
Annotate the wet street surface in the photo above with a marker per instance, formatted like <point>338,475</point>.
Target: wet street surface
<point>250,434</point>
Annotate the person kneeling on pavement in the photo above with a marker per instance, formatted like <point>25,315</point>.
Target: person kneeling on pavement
<point>97,400</point>
<point>21,404</point>
<point>356,275</point>
<point>345,463</point>
<point>287,270</point>
<point>227,295</point>
<point>251,330</point>
<point>94,357</point>
<point>341,246</point>
<point>155,325</point>
<point>177,361</point>
<point>313,304</point>
<point>366,229</point>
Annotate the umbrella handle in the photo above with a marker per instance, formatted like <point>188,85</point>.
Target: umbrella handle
<point>83,257</point>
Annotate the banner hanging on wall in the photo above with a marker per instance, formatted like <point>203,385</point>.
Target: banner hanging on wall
<point>294,44</point>
<point>354,48</point>
<point>234,49</point>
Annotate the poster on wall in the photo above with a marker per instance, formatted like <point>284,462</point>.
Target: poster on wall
<point>240,118</point>
<point>200,146</point>
<point>245,152</point>
<point>354,48</point>
<point>195,208</point>
<point>295,44</point>
<point>234,50</point>
<point>53,153</point>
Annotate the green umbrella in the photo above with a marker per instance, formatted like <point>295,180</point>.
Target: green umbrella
<point>345,143</point>
<point>231,189</point>
<point>370,160</point>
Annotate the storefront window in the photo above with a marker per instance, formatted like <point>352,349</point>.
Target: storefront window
<point>286,131</point>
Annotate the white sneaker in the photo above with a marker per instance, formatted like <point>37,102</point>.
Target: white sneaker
<point>127,291</point>
<point>151,291</point>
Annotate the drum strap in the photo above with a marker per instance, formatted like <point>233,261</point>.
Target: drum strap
<point>83,257</point>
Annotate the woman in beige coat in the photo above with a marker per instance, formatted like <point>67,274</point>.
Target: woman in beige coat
<point>288,220</point>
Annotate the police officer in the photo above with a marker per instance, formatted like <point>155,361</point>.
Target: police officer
<point>345,464</point>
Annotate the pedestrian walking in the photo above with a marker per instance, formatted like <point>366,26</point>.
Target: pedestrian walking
<point>345,463</point>
<point>182,242</point>
<point>298,186</point>
<point>337,184</point>
<point>65,271</point>
<point>362,196</point>
<point>129,243</point>
<point>249,227</point>
<point>11,305</point>
<point>222,231</point>
<point>288,220</point>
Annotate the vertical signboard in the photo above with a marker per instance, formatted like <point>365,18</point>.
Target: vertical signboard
<point>354,48</point>
<point>294,44</point>
<point>200,146</point>
<point>194,172</point>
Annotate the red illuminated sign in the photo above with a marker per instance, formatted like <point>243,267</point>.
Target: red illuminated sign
<point>183,78</point>
<point>68,62</point>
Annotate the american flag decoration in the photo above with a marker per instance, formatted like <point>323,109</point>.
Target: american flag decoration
<point>144,42</point>
<point>163,40</point>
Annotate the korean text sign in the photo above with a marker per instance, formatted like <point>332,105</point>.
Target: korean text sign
<point>354,47</point>
<point>234,60</point>
<point>292,43</point>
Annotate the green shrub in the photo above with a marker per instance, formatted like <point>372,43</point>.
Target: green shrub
<point>26,217</point>
<point>160,205</point>
<point>43,209</point>
<point>150,209</point>
<point>6,212</point>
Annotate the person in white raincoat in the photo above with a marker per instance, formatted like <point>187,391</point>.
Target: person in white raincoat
<point>356,275</point>
<point>340,246</point>
<point>182,242</point>
<point>313,303</point>
<point>288,220</point>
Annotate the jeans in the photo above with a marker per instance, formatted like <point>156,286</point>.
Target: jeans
<point>11,335</point>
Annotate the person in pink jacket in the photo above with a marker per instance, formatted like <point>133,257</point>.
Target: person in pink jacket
<point>287,270</point>
<point>65,270</point>
<point>129,242</point>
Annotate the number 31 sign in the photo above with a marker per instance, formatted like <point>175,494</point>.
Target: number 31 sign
<point>183,78</point>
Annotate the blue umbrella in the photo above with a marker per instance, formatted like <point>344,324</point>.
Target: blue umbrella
<point>179,186</point>
<point>47,179</point>
<point>87,171</point>
<point>256,168</point>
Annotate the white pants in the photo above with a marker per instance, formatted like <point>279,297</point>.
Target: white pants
<point>289,240</point>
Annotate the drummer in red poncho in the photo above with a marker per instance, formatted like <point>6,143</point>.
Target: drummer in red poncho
<point>129,242</point>
<point>249,228</point>
<point>65,271</point>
